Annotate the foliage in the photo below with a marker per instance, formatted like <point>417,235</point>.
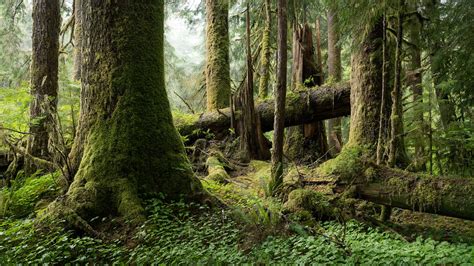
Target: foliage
<point>22,197</point>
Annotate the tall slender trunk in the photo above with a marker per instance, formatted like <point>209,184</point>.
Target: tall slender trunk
<point>414,81</point>
<point>335,74</point>
<point>217,54</point>
<point>397,153</point>
<point>266,53</point>
<point>252,142</point>
<point>280,96</point>
<point>77,39</point>
<point>44,78</point>
<point>131,150</point>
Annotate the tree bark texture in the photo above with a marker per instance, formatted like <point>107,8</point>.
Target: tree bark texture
<point>77,39</point>
<point>280,96</point>
<point>253,144</point>
<point>131,149</point>
<point>44,77</point>
<point>217,54</point>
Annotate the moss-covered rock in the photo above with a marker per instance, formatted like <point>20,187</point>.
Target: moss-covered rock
<point>305,200</point>
<point>216,170</point>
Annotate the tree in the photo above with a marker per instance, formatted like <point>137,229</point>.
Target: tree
<point>266,52</point>
<point>217,54</point>
<point>280,95</point>
<point>253,143</point>
<point>132,150</point>
<point>44,79</point>
<point>335,75</point>
<point>77,39</point>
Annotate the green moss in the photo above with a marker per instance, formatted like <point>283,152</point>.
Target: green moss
<point>346,165</point>
<point>181,119</point>
<point>23,197</point>
<point>216,171</point>
<point>309,200</point>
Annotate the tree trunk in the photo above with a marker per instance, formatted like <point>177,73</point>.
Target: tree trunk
<point>132,150</point>
<point>414,81</point>
<point>308,142</point>
<point>280,98</point>
<point>77,39</point>
<point>335,75</point>
<point>316,104</point>
<point>44,78</point>
<point>266,53</point>
<point>397,153</point>
<point>253,144</point>
<point>217,54</point>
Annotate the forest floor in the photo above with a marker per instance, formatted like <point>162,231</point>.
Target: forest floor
<point>252,229</point>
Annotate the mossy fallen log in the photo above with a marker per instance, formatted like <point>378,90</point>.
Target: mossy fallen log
<point>448,196</point>
<point>314,104</point>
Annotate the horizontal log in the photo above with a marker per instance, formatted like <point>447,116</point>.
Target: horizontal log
<point>303,107</point>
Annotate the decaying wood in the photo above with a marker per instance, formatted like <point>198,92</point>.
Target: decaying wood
<point>314,104</point>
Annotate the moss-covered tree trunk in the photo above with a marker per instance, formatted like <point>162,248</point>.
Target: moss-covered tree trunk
<point>44,78</point>
<point>266,53</point>
<point>335,75</point>
<point>131,149</point>
<point>217,54</point>
<point>308,142</point>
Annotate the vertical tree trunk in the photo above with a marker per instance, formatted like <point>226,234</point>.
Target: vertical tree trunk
<point>252,142</point>
<point>77,39</point>
<point>280,97</point>
<point>217,54</point>
<point>131,150</point>
<point>397,153</point>
<point>335,75</point>
<point>44,78</point>
<point>414,80</point>
<point>266,53</point>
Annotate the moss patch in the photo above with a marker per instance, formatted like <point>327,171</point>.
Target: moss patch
<point>304,200</point>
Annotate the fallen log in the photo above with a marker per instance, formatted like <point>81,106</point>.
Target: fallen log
<point>314,104</point>
<point>448,196</point>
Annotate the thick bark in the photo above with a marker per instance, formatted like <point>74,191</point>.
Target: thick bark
<point>253,144</point>
<point>280,98</point>
<point>266,53</point>
<point>217,54</point>
<point>44,77</point>
<point>127,114</point>
<point>335,75</point>
<point>77,39</point>
<point>315,104</point>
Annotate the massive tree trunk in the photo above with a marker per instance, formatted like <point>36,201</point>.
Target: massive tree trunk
<point>132,150</point>
<point>253,144</point>
<point>77,39</point>
<point>280,98</point>
<point>308,142</point>
<point>217,54</point>
<point>315,104</point>
<point>266,53</point>
<point>335,75</point>
<point>44,78</point>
